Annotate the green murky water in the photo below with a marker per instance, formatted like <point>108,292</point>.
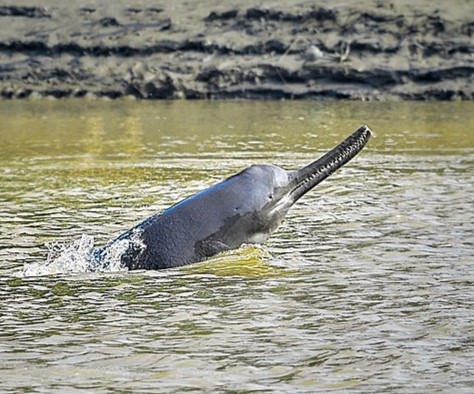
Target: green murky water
<point>367,286</point>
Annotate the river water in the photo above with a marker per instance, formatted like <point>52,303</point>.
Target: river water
<point>366,287</point>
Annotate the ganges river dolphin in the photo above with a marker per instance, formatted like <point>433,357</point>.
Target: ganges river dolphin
<point>243,209</point>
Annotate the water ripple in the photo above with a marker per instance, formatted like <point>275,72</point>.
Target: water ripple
<point>366,287</point>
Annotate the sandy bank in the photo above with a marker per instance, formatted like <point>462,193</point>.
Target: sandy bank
<point>212,49</point>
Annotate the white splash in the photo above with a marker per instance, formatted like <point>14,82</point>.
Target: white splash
<point>111,259</point>
<point>79,256</point>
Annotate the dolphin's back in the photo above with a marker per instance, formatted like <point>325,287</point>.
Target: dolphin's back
<point>193,229</point>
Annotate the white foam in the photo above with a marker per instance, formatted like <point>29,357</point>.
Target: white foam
<point>79,256</point>
<point>112,256</point>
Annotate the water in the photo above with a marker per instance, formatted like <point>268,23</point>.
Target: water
<point>366,287</point>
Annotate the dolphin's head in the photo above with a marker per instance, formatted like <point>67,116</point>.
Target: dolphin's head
<point>279,189</point>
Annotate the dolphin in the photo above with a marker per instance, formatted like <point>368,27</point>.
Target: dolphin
<point>245,208</point>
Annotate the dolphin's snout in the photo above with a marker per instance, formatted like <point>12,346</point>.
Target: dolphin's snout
<point>314,173</point>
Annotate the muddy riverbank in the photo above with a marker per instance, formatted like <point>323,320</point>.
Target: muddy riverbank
<point>258,50</point>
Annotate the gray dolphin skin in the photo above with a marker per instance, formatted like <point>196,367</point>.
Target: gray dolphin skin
<point>243,209</point>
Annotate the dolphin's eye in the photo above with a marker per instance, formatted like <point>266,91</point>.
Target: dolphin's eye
<point>270,196</point>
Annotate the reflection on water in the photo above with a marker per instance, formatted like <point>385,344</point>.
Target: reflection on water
<point>367,286</point>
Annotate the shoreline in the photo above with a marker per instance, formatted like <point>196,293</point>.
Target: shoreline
<point>371,50</point>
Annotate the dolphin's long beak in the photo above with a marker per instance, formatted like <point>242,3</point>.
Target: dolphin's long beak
<point>309,176</point>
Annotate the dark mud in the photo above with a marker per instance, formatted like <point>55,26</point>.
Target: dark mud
<point>260,50</point>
